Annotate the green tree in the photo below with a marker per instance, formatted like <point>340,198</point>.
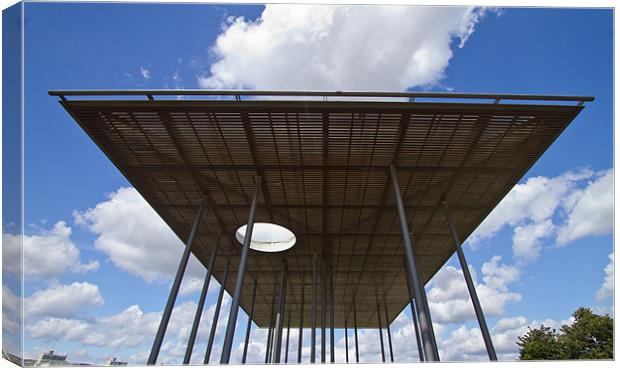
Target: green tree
<point>540,344</point>
<point>589,336</point>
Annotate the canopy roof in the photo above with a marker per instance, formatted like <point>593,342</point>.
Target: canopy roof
<point>324,158</point>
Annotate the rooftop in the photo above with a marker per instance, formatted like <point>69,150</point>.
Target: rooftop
<point>324,158</point>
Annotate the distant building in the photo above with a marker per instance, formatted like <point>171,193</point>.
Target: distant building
<point>113,361</point>
<point>48,358</point>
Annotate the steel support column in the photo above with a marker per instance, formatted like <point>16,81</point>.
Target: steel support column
<point>470,285</point>
<point>301,319</point>
<point>249,327</point>
<point>201,304</point>
<point>236,299</point>
<point>332,349</point>
<point>414,318</point>
<point>280,315</point>
<point>357,350</point>
<point>346,341</point>
<point>389,333</point>
<point>174,291</point>
<point>288,334</point>
<point>271,328</point>
<point>323,309</point>
<point>216,316</point>
<point>426,325</point>
<point>380,333</point>
<point>313,335</point>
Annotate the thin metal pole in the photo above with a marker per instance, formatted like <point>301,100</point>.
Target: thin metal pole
<point>426,325</point>
<point>470,285</point>
<point>389,333</point>
<point>414,319</point>
<point>249,327</point>
<point>380,333</point>
<point>216,316</point>
<point>274,339</point>
<point>271,327</point>
<point>323,309</point>
<point>234,307</point>
<point>357,350</point>
<point>332,349</point>
<point>313,335</point>
<point>174,291</point>
<point>301,319</point>
<point>288,334</point>
<point>280,315</point>
<point>346,341</point>
<point>201,304</point>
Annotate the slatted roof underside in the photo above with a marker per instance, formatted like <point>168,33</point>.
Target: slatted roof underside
<point>325,169</point>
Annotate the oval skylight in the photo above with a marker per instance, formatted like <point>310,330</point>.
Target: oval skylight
<point>268,237</point>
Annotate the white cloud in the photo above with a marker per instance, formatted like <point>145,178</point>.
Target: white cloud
<point>449,300</point>
<point>339,47</point>
<point>47,254</point>
<point>530,209</point>
<point>607,288</point>
<point>129,328</point>
<point>133,328</point>
<point>526,240</point>
<point>535,201</point>
<point>11,311</point>
<point>62,300</point>
<point>137,240</point>
<point>590,210</point>
<point>146,74</point>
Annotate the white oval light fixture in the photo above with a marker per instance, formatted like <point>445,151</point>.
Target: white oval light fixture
<point>268,237</point>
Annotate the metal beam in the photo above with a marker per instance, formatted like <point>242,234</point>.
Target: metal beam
<point>288,335</point>
<point>389,333</point>
<point>280,315</point>
<point>202,92</point>
<point>249,327</point>
<point>236,299</point>
<point>301,319</point>
<point>271,328</point>
<point>201,304</point>
<point>426,325</point>
<point>313,335</point>
<point>346,341</point>
<point>380,333</point>
<point>357,350</point>
<point>414,318</point>
<point>332,349</point>
<point>216,316</point>
<point>470,285</point>
<point>323,309</point>
<point>174,291</point>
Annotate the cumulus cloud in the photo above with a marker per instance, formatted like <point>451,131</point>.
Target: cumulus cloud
<point>572,205</point>
<point>466,343</point>
<point>526,240</point>
<point>339,47</point>
<point>449,300</point>
<point>129,328</point>
<point>11,311</point>
<point>137,240</point>
<point>590,210</point>
<point>133,328</point>
<point>607,288</point>
<point>47,254</point>
<point>62,300</point>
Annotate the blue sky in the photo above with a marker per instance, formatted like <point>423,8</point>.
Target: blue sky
<point>548,266</point>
